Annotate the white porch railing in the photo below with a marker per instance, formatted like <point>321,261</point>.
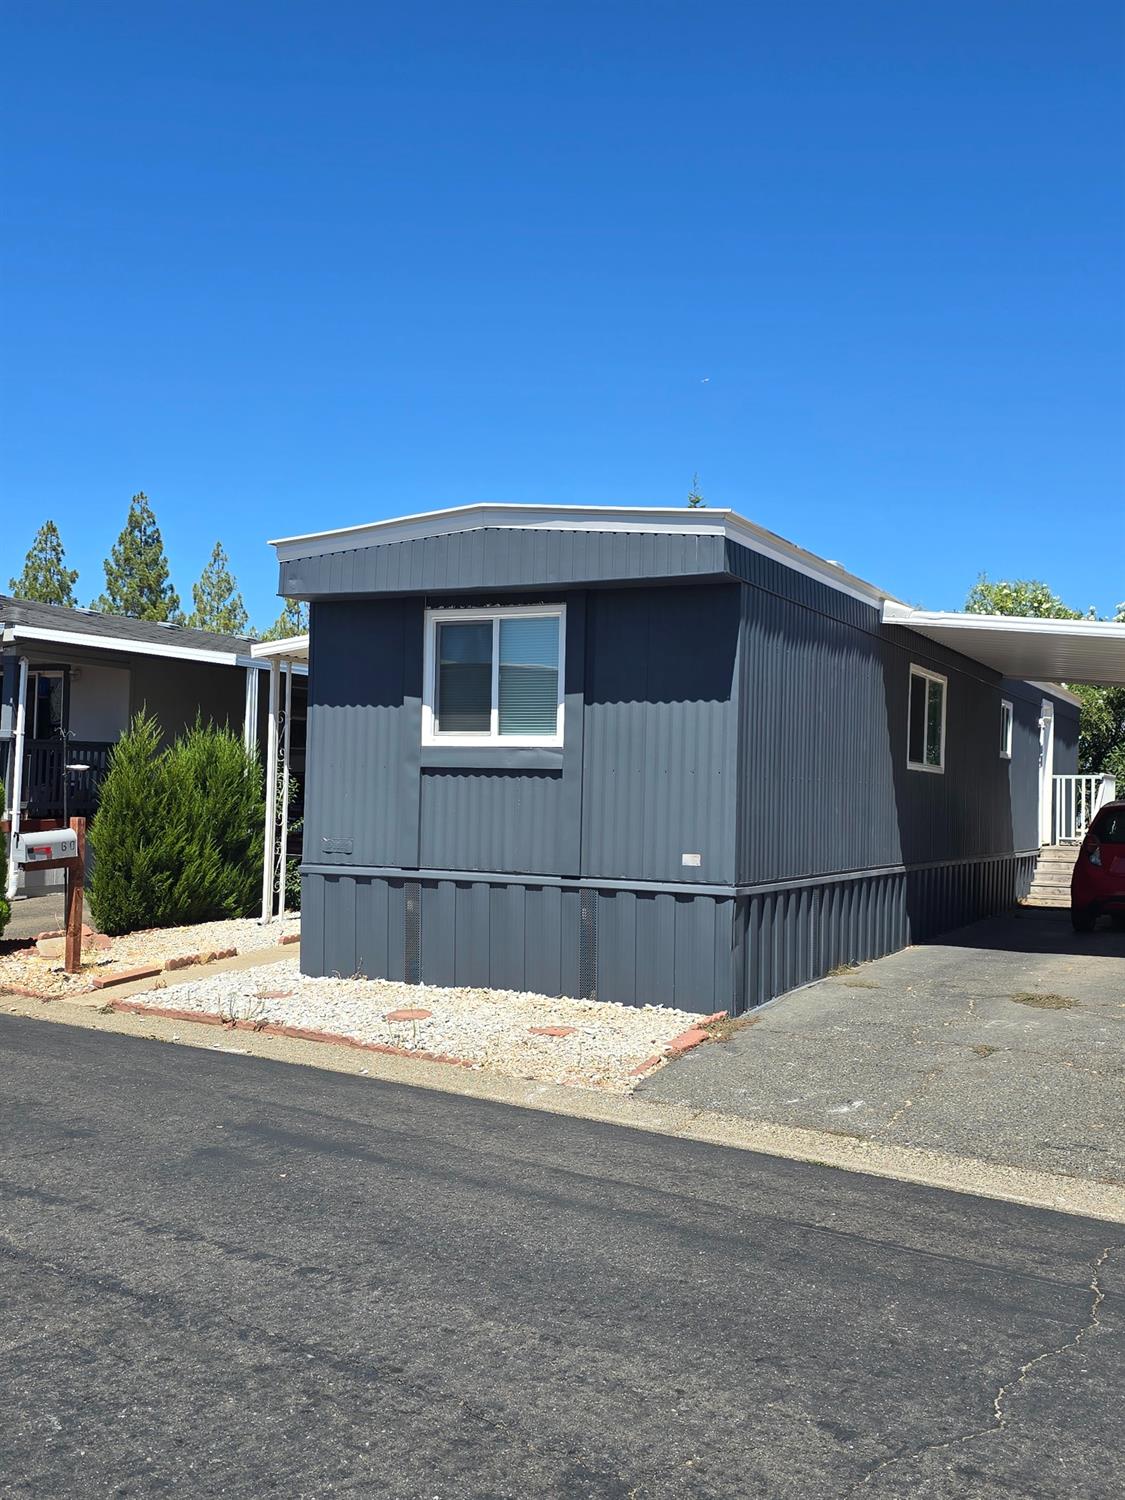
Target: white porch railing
<point>1076,799</point>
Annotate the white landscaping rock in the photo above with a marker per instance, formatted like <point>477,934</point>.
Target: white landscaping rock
<point>489,1028</point>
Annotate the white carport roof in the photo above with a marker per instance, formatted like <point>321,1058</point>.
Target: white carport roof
<point>1034,650</point>
<point>292,648</point>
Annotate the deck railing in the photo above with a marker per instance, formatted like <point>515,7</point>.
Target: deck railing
<point>1076,800</point>
<point>45,767</point>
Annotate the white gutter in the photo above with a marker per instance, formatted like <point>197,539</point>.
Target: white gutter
<point>131,647</point>
<point>16,789</point>
<point>1023,625</point>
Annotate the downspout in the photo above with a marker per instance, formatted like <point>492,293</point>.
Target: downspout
<point>250,719</point>
<point>16,790</point>
<point>270,842</point>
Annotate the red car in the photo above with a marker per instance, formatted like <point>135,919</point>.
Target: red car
<point>1097,886</point>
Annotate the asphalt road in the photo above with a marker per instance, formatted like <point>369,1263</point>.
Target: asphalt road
<point>225,1276</point>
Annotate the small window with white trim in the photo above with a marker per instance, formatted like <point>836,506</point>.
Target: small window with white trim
<point>1005,729</point>
<point>925,738</point>
<point>494,676</point>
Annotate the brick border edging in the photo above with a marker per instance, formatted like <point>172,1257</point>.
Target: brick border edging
<point>694,1036</point>
<point>271,1028</point>
<point>143,971</point>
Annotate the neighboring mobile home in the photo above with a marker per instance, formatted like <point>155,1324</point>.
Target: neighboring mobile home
<point>648,755</point>
<point>80,677</point>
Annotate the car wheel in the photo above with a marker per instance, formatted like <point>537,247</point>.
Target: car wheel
<point>1082,919</point>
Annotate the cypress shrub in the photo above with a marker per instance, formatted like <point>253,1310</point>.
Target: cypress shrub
<point>133,853</point>
<point>177,837</point>
<point>214,808</point>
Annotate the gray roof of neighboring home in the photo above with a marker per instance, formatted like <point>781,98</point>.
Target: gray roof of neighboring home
<point>116,631</point>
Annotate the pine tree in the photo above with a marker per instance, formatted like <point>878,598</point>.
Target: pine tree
<point>45,577</point>
<point>137,581</point>
<point>293,620</point>
<point>695,498</point>
<point>218,603</point>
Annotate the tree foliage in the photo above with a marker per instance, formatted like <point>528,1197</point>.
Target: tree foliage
<point>218,603</point>
<point>178,833</point>
<point>1028,597</point>
<point>45,577</point>
<point>293,620</point>
<point>695,495</point>
<point>137,577</point>
<point>1101,737</point>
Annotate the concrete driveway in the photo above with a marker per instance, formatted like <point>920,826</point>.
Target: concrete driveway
<point>1005,1041</point>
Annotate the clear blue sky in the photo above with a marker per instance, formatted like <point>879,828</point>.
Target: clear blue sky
<point>290,266</point>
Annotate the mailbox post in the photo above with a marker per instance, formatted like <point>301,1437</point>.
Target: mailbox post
<point>61,849</point>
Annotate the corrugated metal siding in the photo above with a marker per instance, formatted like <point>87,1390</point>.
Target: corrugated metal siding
<point>698,953</point>
<point>664,949</point>
<point>364,732</point>
<point>790,937</point>
<point>660,734</point>
<point>493,820</point>
<point>824,784</point>
<point>652,949</point>
<point>775,578</point>
<point>502,558</point>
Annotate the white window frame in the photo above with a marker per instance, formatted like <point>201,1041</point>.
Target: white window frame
<point>1007,725</point>
<point>492,739</point>
<point>924,672</point>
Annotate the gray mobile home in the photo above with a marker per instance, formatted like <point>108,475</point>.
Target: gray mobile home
<point>648,755</point>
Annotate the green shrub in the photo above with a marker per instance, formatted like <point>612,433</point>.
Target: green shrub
<point>5,909</point>
<point>178,833</point>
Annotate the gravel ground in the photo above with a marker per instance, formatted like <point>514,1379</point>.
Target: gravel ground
<point>490,1028</point>
<point>23,967</point>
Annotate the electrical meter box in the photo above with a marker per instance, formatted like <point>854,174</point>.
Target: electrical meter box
<point>51,844</point>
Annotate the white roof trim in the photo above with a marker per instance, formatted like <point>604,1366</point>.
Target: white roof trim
<point>119,644</point>
<point>665,520</point>
<point>1025,625</point>
<point>295,647</point>
<point>1023,647</point>
<point>1055,690</point>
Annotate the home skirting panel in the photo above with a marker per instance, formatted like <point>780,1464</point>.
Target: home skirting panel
<point>700,953</point>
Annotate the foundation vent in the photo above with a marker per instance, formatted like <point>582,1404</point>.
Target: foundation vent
<point>588,945</point>
<point>412,971</point>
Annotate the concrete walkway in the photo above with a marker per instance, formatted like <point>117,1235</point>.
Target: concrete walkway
<point>1004,1042</point>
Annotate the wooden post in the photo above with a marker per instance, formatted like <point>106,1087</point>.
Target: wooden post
<point>75,887</point>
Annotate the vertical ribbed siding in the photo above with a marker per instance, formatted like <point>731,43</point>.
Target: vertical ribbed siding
<point>504,558</point>
<point>660,734</point>
<point>791,937</point>
<point>823,782</point>
<point>364,733</point>
<point>492,820</point>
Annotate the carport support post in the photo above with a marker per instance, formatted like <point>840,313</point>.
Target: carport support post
<point>271,794</point>
<point>284,834</point>
<point>75,886</point>
<point>15,791</point>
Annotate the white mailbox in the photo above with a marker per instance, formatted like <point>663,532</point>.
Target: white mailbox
<point>52,843</point>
